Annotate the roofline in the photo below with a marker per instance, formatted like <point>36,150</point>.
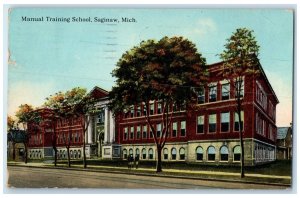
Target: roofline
<point>101,89</point>
<point>265,76</point>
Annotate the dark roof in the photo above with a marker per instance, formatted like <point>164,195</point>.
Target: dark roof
<point>98,93</point>
<point>282,132</point>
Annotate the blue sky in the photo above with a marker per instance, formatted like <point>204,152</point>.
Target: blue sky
<point>47,57</point>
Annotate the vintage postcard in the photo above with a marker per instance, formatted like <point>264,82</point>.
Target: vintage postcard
<point>150,98</point>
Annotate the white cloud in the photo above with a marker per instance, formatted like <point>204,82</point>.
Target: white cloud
<point>27,92</point>
<point>204,27</point>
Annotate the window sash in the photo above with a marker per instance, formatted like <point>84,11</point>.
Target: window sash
<point>225,117</point>
<point>212,119</point>
<point>225,91</point>
<point>201,95</point>
<point>200,120</point>
<point>212,93</point>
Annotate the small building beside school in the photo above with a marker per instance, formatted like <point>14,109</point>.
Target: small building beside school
<point>284,143</point>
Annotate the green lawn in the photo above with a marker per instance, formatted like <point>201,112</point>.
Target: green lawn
<point>281,168</point>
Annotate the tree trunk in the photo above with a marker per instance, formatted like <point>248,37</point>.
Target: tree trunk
<point>158,163</point>
<point>69,161</point>
<point>241,141</point>
<point>14,151</point>
<point>25,153</point>
<point>84,156</point>
<point>100,152</point>
<point>55,156</point>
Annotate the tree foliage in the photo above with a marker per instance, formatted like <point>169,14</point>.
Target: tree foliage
<point>11,123</point>
<point>164,70</point>
<point>240,54</point>
<point>167,71</point>
<point>64,103</point>
<point>27,115</point>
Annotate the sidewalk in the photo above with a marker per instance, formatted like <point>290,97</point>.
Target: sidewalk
<point>189,174</point>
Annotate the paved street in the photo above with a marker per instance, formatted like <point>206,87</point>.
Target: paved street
<point>28,177</point>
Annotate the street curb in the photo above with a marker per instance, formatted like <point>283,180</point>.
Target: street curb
<point>153,175</point>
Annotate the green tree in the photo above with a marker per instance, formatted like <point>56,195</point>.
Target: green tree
<point>167,71</point>
<point>85,110</point>
<point>26,115</point>
<point>11,124</point>
<point>64,106</point>
<point>240,58</point>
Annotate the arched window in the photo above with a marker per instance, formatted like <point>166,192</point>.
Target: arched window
<point>150,153</point>
<point>40,154</point>
<point>30,154</point>
<point>64,154</point>
<point>173,153</point>
<point>144,153</point>
<point>182,153</point>
<point>137,152</point>
<point>71,153</point>
<point>75,154</point>
<point>79,154</point>
<point>124,154</point>
<point>211,153</point>
<point>131,152</point>
<point>237,153</point>
<point>199,153</point>
<point>224,153</point>
<point>166,153</point>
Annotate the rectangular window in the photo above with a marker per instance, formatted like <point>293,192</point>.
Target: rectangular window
<point>158,108</point>
<point>150,132</point>
<point>174,107</point>
<point>212,123</point>
<point>138,132</point>
<point>211,157</point>
<point>200,124</point>
<point>144,131</point>
<point>200,156</point>
<point>174,129</point>
<point>225,117</point>
<point>183,107</point>
<point>158,130</point>
<point>201,95</point>
<point>138,111</point>
<point>101,116</point>
<point>225,91</point>
<point>270,132</point>
<point>151,108</point>
<point>239,87</point>
<point>165,156</point>
<point>132,112</point>
<point>263,127</point>
<point>125,133</point>
<point>144,110</point>
<point>76,137</point>
<point>213,93</point>
<point>236,121</point>
<point>182,128</point>
<point>131,132</point>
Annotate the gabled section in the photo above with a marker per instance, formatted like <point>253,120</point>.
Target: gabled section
<point>98,93</point>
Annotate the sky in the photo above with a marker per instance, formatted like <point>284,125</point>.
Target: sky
<point>47,57</point>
